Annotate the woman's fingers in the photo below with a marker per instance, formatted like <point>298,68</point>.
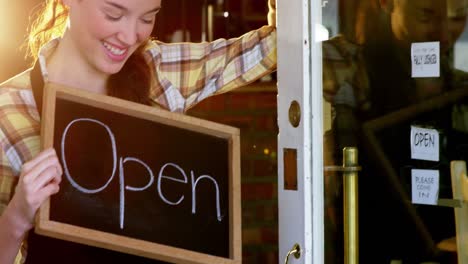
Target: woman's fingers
<point>49,175</point>
<point>39,179</point>
<point>36,160</point>
<point>40,164</point>
<point>42,171</point>
<point>47,191</point>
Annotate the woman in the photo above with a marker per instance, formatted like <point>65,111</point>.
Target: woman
<point>103,46</point>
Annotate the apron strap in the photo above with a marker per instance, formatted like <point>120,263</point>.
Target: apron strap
<point>37,85</point>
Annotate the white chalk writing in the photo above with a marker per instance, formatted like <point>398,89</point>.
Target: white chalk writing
<point>124,187</point>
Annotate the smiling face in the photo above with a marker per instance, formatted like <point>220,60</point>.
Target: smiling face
<point>105,33</point>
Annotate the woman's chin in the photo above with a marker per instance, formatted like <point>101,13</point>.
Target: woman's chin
<point>112,69</point>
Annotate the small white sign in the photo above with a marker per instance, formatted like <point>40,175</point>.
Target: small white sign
<point>425,58</point>
<point>425,186</point>
<point>424,144</point>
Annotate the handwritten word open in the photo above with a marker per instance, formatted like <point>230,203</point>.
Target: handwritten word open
<point>122,160</point>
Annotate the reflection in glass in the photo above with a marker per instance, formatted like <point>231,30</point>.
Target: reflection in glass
<point>368,75</point>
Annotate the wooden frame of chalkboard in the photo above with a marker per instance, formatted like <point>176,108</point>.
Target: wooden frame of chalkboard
<point>373,144</point>
<point>200,129</point>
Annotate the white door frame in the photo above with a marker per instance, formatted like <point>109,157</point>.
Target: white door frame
<point>301,213</point>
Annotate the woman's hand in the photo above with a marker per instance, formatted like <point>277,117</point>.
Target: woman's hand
<point>272,13</point>
<point>39,179</point>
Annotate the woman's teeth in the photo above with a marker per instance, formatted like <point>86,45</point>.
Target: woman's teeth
<point>113,49</point>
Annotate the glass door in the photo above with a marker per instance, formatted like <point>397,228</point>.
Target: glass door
<point>394,83</point>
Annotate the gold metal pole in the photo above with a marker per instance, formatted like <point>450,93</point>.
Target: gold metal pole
<point>350,189</point>
<point>210,15</point>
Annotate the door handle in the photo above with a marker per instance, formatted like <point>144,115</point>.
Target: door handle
<point>350,169</point>
<point>295,251</point>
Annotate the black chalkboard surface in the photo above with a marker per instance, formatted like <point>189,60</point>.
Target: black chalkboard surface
<point>141,180</point>
<point>388,141</point>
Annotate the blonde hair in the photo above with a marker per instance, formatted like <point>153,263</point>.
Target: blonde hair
<point>49,23</point>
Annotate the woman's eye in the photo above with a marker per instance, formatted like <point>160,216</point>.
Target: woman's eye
<point>113,17</point>
<point>148,20</point>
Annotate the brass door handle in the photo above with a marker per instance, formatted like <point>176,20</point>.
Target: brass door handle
<point>342,168</point>
<point>350,169</point>
<point>295,251</point>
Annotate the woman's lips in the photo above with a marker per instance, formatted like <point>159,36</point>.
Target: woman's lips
<point>116,54</point>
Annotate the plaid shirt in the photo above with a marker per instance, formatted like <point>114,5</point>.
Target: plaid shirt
<point>345,79</point>
<point>186,73</point>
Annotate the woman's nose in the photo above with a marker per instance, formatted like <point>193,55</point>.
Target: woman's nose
<point>128,34</point>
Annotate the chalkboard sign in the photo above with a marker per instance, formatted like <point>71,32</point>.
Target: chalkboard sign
<point>140,180</point>
<point>389,141</point>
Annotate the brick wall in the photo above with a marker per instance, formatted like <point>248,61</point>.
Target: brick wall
<point>254,113</point>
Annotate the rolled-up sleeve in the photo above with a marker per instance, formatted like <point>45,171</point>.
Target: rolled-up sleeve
<point>187,73</point>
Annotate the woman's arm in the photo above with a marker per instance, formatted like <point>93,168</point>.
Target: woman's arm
<point>39,179</point>
<point>187,73</point>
